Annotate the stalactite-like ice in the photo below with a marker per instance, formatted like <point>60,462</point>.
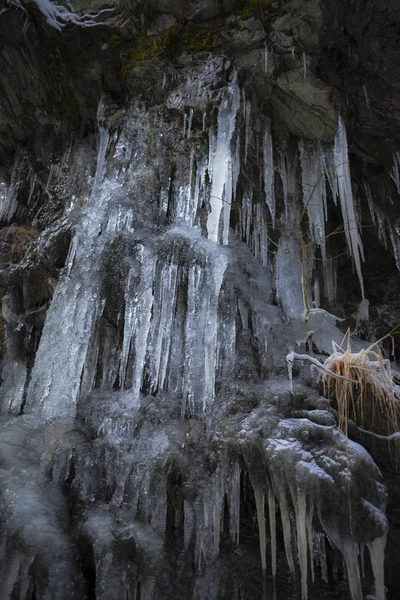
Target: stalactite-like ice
<point>272,531</point>
<point>350,220</point>
<point>260,501</point>
<point>289,276</point>
<point>163,317</point>
<point>143,300</point>
<point>142,343</point>
<point>395,174</point>
<point>314,191</point>
<point>269,173</point>
<point>377,552</point>
<point>234,502</point>
<point>56,377</point>
<point>220,165</point>
<point>247,111</point>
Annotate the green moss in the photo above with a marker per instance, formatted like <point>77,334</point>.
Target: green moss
<point>246,14</point>
<point>172,42</point>
<point>288,32</point>
<point>115,39</point>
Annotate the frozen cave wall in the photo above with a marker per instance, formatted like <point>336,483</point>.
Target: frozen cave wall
<point>188,193</point>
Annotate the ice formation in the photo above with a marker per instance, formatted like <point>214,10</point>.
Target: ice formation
<point>221,165</point>
<point>350,218</point>
<point>59,16</point>
<point>160,329</point>
<point>314,191</point>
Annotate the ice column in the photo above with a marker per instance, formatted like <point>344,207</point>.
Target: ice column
<point>342,172</point>
<point>56,376</point>
<point>269,173</point>
<point>220,166</point>
<point>314,191</point>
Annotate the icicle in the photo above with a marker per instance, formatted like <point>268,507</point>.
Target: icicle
<point>220,168</point>
<point>185,204</point>
<point>247,129</point>
<point>226,208</point>
<point>128,327</point>
<point>184,124</point>
<point>395,174</point>
<point>210,342</point>
<point>163,317</point>
<point>204,121</point>
<point>309,527</point>
<point>142,320</point>
<point>272,530</point>
<point>31,188</point>
<point>394,234</point>
<point>246,215</point>
<point>350,554</point>
<point>314,191</point>
<point>244,313</point>
<point>300,507</point>
<point>259,496</point>
<point>342,171</point>
<point>269,173</point>
<point>316,293</point>
<point>330,280</point>
<point>189,131</point>
<point>289,363</point>
<point>261,234</point>
<point>286,524</point>
<point>234,503</point>
<point>164,81</point>
<point>194,276</point>
<point>217,507</point>
<point>319,540</point>
<point>289,275</point>
<point>370,201</point>
<point>266,58</point>
<point>377,553</point>
<point>236,168</point>
<point>283,176</point>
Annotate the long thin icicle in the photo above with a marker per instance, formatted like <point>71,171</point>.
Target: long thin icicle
<point>350,221</point>
<point>260,500</point>
<point>272,531</point>
<point>377,552</point>
<point>314,191</point>
<point>269,173</point>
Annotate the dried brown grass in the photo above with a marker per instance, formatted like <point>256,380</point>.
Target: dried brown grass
<point>365,392</point>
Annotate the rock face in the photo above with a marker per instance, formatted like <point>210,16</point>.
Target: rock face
<point>189,193</point>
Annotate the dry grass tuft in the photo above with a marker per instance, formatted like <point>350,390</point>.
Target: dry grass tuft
<point>365,392</point>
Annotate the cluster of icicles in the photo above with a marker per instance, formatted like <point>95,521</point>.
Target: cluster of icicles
<point>67,359</point>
